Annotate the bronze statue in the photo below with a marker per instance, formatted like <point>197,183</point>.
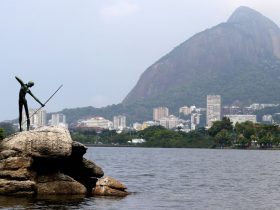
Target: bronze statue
<point>23,102</point>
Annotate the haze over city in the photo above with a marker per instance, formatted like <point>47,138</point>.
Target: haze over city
<point>96,49</point>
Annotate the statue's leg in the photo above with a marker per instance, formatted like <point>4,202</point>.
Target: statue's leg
<point>20,105</point>
<point>27,114</point>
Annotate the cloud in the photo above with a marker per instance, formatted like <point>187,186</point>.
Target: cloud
<point>119,9</point>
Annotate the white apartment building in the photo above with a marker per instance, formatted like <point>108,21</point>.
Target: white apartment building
<point>137,126</point>
<point>195,120</point>
<point>160,112</point>
<point>96,122</point>
<point>37,118</point>
<point>213,112</point>
<point>242,118</point>
<point>267,118</point>
<point>169,122</point>
<point>58,119</point>
<point>119,122</point>
<point>185,110</point>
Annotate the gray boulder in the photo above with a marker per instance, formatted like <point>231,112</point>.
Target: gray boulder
<point>43,142</point>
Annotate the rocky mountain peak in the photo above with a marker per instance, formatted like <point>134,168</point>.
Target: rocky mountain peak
<point>245,14</point>
<point>226,59</point>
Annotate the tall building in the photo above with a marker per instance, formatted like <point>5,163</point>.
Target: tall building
<point>58,120</point>
<point>213,109</point>
<point>160,112</point>
<point>119,122</point>
<point>195,120</point>
<point>37,118</point>
<point>169,122</point>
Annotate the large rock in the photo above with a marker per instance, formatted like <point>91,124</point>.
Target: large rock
<point>19,174</point>
<point>108,186</point>
<point>78,149</point>
<point>46,161</point>
<point>59,184</point>
<point>111,182</point>
<point>17,168</point>
<point>12,163</point>
<point>43,142</point>
<point>89,168</point>
<point>15,187</point>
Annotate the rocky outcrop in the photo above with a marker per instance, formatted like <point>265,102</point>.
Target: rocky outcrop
<point>108,186</point>
<point>46,161</point>
<point>59,184</point>
<point>42,142</point>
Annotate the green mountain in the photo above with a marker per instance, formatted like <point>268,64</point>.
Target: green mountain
<point>238,59</point>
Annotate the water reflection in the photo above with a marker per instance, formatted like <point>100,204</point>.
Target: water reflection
<point>15,202</point>
<point>60,202</point>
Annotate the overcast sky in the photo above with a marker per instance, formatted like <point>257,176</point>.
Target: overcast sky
<point>97,49</point>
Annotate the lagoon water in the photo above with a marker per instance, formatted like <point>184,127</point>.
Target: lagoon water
<point>177,179</point>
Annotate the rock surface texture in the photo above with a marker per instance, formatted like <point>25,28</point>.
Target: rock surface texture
<point>108,186</point>
<point>46,161</point>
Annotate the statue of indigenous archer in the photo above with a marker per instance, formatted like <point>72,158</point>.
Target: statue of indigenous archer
<point>23,102</point>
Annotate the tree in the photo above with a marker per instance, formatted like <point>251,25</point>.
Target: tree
<point>242,141</point>
<point>247,129</point>
<point>223,138</point>
<point>1,133</point>
<point>218,126</point>
<point>8,128</point>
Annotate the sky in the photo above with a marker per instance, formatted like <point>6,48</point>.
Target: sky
<point>96,49</point>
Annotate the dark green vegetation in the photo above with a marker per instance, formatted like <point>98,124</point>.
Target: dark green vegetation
<point>158,136</point>
<point>1,133</point>
<point>6,129</point>
<point>221,134</point>
<point>245,135</point>
<point>107,137</point>
<point>155,136</point>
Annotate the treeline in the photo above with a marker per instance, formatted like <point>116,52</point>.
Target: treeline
<point>245,135</point>
<point>6,129</point>
<point>155,136</point>
<point>222,134</point>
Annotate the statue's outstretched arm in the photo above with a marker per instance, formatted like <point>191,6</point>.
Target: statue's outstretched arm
<point>36,99</point>
<point>19,80</point>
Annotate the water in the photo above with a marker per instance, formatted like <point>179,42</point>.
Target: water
<point>177,179</point>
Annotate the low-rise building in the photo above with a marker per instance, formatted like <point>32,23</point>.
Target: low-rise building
<point>96,122</point>
<point>185,110</point>
<point>242,118</point>
<point>137,141</point>
<point>267,118</point>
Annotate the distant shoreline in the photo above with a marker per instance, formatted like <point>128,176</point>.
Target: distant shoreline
<point>225,148</point>
<point>108,145</point>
